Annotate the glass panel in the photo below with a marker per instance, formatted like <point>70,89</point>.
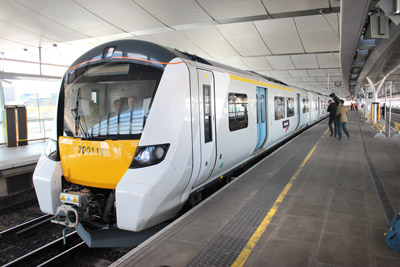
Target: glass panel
<point>258,103</point>
<point>237,106</point>
<point>279,103</point>
<point>306,108</point>
<point>40,99</point>
<point>262,108</point>
<point>207,114</point>
<point>109,100</point>
<point>290,107</point>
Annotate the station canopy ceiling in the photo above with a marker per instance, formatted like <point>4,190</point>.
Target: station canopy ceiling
<point>296,41</point>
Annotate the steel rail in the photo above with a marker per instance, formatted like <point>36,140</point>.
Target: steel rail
<point>43,253</point>
<point>26,227</point>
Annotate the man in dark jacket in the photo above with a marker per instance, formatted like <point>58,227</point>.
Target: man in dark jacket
<point>332,107</point>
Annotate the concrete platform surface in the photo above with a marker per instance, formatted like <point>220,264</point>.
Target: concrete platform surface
<point>11,157</point>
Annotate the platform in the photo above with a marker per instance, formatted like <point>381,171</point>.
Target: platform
<point>16,166</point>
<point>11,157</point>
<point>317,201</point>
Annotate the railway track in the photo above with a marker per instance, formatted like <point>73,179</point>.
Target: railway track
<point>26,228</point>
<point>26,237</point>
<point>17,201</point>
<point>53,253</point>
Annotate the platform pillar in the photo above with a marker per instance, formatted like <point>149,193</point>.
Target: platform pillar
<point>11,129</point>
<point>22,125</point>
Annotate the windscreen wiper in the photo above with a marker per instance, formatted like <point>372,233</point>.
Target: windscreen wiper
<point>75,113</point>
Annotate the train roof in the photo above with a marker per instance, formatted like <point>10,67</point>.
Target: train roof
<point>154,54</point>
<point>129,48</point>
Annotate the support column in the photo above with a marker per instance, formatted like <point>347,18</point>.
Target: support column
<point>11,129</point>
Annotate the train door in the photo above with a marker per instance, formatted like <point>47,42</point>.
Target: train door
<point>207,125</point>
<point>261,116</point>
<point>298,111</point>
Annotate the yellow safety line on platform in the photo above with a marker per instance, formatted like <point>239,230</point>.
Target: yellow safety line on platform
<point>248,248</point>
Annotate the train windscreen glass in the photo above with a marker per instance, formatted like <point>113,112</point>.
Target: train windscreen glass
<point>109,101</point>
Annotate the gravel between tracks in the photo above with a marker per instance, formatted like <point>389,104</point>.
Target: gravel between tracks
<point>13,248</point>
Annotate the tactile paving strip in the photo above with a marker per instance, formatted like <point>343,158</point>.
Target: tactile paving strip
<point>387,206</point>
<point>227,245</point>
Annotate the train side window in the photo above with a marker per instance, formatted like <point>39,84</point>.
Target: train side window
<point>237,111</point>
<point>306,107</point>
<point>290,106</point>
<point>207,114</point>
<point>279,107</point>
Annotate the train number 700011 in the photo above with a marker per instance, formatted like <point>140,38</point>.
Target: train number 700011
<point>90,150</point>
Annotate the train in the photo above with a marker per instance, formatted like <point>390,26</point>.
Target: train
<point>141,128</point>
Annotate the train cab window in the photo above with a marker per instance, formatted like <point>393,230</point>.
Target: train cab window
<point>306,105</point>
<point>109,101</point>
<point>290,106</point>
<point>237,110</point>
<point>279,103</point>
<point>207,114</point>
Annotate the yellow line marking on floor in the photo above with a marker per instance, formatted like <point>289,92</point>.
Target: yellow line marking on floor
<point>248,248</point>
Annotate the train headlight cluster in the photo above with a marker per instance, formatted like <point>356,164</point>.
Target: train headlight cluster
<point>149,155</point>
<point>51,150</point>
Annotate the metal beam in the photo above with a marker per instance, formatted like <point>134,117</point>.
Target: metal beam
<point>353,16</point>
<point>376,64</point>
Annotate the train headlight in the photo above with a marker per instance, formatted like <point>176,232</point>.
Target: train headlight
<point>51,150</point>
<point>149,155</point>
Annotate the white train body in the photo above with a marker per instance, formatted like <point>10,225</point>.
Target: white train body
<point>212,119</point>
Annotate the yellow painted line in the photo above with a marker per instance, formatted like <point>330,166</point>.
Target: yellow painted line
<point>243,256</point>
<point>237,78</point>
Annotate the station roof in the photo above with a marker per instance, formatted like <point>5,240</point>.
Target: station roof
<point>305,43</point>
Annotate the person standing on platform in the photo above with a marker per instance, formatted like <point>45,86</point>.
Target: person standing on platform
<point>341,119</point>
<point>332,107</point>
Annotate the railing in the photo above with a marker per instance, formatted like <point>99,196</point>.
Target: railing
<point>39,128</point>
